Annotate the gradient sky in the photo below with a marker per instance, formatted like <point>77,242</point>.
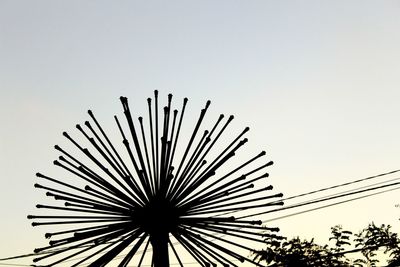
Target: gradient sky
<point>318,82</point>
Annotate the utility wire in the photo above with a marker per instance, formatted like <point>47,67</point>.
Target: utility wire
<point>329,205</point>
<point>352,190</point>
<point>361,187</point>
<point>319,200</point>
<point>343,184</point>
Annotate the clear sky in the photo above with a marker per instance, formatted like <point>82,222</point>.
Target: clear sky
<point>318,82</point>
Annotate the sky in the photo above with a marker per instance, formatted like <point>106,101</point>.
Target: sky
<point>316,81</point>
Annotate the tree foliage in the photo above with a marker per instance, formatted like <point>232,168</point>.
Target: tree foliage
<point>295,252</point>
<point>372,238</point>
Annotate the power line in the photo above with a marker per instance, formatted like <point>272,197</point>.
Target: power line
<point>358,188</point>
<point>352,190</point>
<point>319,200</point>
<point>329,205</point>
<point>343,184</point>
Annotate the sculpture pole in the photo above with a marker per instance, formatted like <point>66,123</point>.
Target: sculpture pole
<point>159,243</point>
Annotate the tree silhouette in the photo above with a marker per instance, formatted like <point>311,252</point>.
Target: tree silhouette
<point>123,204</point>
<point>296,252</point>
<point>372,238</point>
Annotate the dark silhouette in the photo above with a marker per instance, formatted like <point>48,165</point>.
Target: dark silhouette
<point>125,205</point>
<point>296,252</point>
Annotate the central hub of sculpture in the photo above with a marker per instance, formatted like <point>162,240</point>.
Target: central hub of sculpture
<point>159,218</point>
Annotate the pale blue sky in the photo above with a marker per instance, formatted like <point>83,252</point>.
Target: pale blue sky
<point>317,82</point>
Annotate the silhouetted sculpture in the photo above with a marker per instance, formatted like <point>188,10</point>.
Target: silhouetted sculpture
<point>145,200</point>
